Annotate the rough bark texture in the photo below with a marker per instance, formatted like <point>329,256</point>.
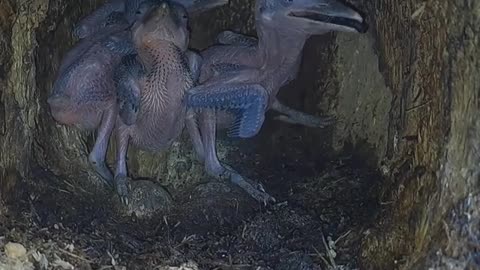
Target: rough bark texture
<point>407,95</point>
<point>429,55</point>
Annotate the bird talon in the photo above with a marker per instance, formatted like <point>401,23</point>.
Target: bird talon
<point>255,190</point>
<point>260,187</point>
<point>123,188</point>
<point>103,172</point>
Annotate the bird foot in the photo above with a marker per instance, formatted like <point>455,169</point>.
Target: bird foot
<point>255,190</point>
<point>122,186</point>
<point>102,170</point>
<point>308,120</point>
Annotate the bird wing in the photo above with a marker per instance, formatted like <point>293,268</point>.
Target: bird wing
<point>120,43</point>
<point>246,101</point>
<point>228,37</point>
<point>226,69</point>
<point>127,78</point>
<point>93,22</point>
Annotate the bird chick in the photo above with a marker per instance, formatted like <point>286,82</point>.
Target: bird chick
<point>84,94</point>
<point>151,86</point>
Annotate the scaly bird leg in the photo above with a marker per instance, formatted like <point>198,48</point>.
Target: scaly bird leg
<point>219,171</point>
<point>194,63</point>
<point>194,133</point>
<point>248,103</point>
<point>97,156</point>
<point>296,117</point>
<point>121,181</point>
<point>128,89</point>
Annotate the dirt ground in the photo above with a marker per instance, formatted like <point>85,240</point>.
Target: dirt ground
<point>322,209</point>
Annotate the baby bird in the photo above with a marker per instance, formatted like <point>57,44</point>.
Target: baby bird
<point>151,86</point>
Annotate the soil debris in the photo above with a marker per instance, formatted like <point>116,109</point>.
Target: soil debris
<point>215,226</point>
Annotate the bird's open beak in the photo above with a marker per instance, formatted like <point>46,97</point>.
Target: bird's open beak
<point>198,6</point>
<point>328,12</point>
